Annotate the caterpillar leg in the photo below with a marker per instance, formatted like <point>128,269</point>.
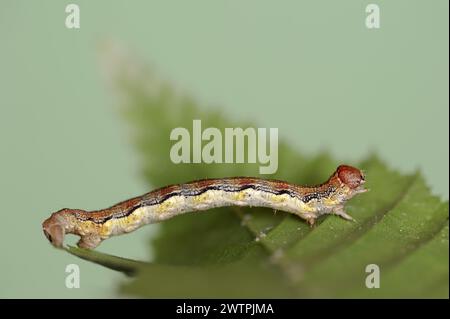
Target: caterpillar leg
<point>89,241</point>
<point>311,221</point>
<point>341,212</point>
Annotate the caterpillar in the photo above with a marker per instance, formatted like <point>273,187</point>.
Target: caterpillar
<point>307,202</point>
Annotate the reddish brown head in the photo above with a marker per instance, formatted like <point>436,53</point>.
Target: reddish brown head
<point>350,176</point>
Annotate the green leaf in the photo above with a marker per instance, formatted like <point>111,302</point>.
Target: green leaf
<point>127,266</point>
<point>255,252</point>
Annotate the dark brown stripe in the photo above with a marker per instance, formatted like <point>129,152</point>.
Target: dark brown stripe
<point>159,196</point>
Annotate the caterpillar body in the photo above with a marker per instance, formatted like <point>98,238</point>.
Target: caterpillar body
<point>307,202</point>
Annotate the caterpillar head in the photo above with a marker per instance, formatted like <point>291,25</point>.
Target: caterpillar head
<point>352,177</point>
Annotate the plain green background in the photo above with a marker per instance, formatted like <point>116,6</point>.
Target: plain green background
<point>310,68</point>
